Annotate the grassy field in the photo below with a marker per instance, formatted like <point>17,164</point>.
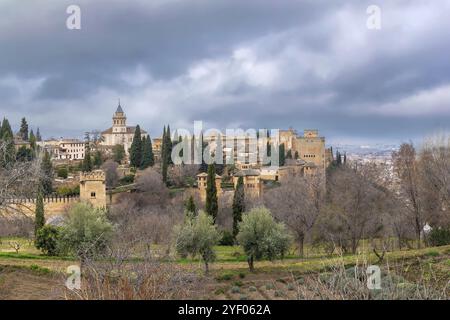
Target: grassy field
<point>229,278</point>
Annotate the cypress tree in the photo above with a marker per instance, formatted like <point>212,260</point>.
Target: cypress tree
<point>189,206</point>
<point>168,147</point>
<point>6,130</point>
<point>282,155</point>
<point>136,149</point>
<point>163,142</point>
<point>338,158</point>
<point>166,152</point>
<point>46,182</point>
<point>296,155</point>
<point>39,217</point>
<point>98,158</point>
<point>238,205</point>
<point>86,165</point>
<point>38,135</point>
<point>211,206</point>
<point>289,154</point>
<point>8,154</point>
<point>32,140</point>
<point>23,132</point>
<point>147,153</point>
<point>203,166</point>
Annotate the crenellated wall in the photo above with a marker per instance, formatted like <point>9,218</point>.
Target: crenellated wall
<point>55,205</point>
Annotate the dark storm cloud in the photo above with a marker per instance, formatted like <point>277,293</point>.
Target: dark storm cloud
<point>254,63</point>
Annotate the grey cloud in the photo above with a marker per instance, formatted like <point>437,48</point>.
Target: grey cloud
<point>314,64</point>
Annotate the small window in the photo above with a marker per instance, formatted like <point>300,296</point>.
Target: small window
<point>92,194</point>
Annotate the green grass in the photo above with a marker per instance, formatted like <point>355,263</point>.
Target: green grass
<point>30,256</point>
<point>232,261</point>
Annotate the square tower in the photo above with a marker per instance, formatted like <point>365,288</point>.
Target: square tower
<point>93,188</point>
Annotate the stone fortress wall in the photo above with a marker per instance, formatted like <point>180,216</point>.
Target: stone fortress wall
<point>92,190</point>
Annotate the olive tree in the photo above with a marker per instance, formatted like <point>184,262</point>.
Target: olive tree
<point>86,231</point>
<point>262,237</point>
<point>197,237</point>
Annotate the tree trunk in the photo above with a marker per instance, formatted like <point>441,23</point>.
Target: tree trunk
<point>301,242</point>
<point>250,264</point>
<point>206,268</point>
<point>418,232</point>
<point>419,245</point>
<point>354,245</point>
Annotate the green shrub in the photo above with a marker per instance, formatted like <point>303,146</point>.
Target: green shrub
<point>241,275</point>
<point>86,231</point>
<point>65,191</point>
<point>278,293</point>
<point>238,283</point>
<point>225,276</point>
<point>219,291</point>
<point>439,237</point>
<point>432,254</point>
<point>38,269</point>
<point>227,239</point>
<point>63,172</point>
<point>290,287</point>
<point>235,289</point>
<point>243,297</point>
<point>270,286</point>
<point>252,289</point>
<point>47,240</point>
<point>128,179</point>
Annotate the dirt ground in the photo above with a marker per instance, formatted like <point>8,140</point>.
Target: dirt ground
<point>23,284</point>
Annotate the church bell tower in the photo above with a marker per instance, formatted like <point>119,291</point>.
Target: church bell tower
<point>119,121</point>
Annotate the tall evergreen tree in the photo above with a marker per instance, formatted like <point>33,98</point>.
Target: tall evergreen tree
<point>169,144</point>
<point>338,158</point>
<point>32,140</point>
<point>39,216</point>
<point>190,207</point>
<point>211,206</point>
<point>46,181</point>
<point>23,132</point>
<point>163,142</point>
<point>238,205</point>
<point>24,154</point>
<point>166,153</point>
<point>136,149</point>
<point>6,130</point>
<point>86,165</point>
<point>8,151</point>
<point>203,166</point>
<point>38,135</point>
<point>148,159</point>
<point>98,158</point>
<point>118,153</point>
<point>282,155</point>
<point>289,154</point>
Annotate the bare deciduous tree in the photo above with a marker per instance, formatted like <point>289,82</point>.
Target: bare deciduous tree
<point>412,192</point>
<point>18,180</point>
<point>183,175</point>
<point>355,208</point>
<point>298,203</point>
<point>112,177</point>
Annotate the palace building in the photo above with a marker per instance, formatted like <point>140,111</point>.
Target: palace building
<point>120,133</point>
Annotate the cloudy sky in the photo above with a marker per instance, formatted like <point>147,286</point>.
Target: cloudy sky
<point>253,63</point>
